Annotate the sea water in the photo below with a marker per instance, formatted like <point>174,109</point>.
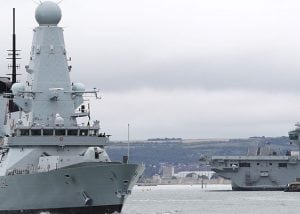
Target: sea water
<point>185,199</point>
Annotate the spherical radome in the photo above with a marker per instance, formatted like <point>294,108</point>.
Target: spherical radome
<point>48,13</point>
<point>59,121</point>
<point>78,87</point>
<point>17,87</point>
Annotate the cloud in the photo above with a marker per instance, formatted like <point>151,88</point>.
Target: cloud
<point>166,45</point>
<point>196,113</point>
<point>170,45</point>
<point>249,72</point>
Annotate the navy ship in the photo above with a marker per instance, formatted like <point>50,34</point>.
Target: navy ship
<point>48,161</point>
<point>261,170</point>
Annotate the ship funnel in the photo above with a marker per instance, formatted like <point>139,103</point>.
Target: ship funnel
<point>87,201</point>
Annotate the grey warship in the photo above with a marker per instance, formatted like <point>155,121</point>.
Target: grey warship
<point>48,161</point>
<point>261,170</point>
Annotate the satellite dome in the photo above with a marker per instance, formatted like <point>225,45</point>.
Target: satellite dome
<point>48,13</point>
<point>59,121</point>
<point>17,88</point>
<point>78,87</point>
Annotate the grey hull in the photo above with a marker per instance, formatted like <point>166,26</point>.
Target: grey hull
<point>257,188</point>
<point>66,190</point>
<point>72,210</point>
<point>236,187</point>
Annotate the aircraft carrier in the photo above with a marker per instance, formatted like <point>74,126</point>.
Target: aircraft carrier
<point>263,170</point>
<point>48,161</point>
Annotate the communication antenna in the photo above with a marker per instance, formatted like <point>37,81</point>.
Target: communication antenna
<point>13,53</point>
<point>128,142</point>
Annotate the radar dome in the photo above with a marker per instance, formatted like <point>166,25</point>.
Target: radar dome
<point>48,13</point>
<point>78,87</point>
<point>59,121</point>
<point>17,88</point>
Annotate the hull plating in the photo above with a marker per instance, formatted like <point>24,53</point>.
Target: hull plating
<point>109,209</point>
<point>67,190</point>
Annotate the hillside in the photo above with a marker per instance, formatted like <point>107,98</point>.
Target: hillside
<point>184,154</point>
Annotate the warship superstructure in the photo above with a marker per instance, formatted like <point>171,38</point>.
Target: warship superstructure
<point>49,162</point>
<point>262,170</point>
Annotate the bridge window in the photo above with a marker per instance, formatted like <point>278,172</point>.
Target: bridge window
<point>36,132</point>
<point>24,132</point>
<point>293,136</point>
<point>60,132</point>
<point>72,132</point>
<point>282,165</point>
<point>93,132</point>
<point>48,132</point>
<point>244,164</point>
<point>83,132</point>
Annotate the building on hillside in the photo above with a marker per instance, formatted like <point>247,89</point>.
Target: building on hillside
<point>167,171</point>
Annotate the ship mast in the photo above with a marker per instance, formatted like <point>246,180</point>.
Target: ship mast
<point>13,53</point>
<point>14,64</point>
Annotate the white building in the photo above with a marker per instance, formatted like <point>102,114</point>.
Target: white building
<point>184,174</point>
<point>168,171</point>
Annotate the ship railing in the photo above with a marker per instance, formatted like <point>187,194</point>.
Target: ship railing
<point>22,171</point>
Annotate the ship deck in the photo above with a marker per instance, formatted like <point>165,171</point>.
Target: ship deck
<point>245,157</point>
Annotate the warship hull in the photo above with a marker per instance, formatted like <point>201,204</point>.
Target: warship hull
<point>256,188</point>
<point>82,188</point>
<point>73,210</point>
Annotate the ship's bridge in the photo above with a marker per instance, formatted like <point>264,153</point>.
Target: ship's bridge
<point>58,131</point>
<point>58,135</point>
<point>294,134</point>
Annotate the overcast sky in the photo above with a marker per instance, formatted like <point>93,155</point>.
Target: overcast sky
<point>179,68</point>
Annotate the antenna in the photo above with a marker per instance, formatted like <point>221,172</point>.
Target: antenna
<point>128,143</point>
<point>14,53</point>
<point>14,68</point>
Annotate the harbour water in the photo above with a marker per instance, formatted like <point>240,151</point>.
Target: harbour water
<point>184,199</point>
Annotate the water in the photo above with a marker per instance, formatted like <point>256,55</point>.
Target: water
<point>182,199</point>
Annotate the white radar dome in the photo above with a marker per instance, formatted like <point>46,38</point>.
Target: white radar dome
<point>59,121</point>
<point>48,13</point>
<point>78,87</point>
<point>17,87</point>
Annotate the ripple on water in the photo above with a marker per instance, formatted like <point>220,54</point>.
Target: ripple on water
<point>213,199</point>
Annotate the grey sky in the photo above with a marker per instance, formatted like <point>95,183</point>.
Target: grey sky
<point>183,68</point>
